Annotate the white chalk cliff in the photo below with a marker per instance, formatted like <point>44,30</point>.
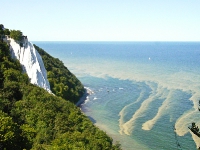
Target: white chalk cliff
<point>31,62</point>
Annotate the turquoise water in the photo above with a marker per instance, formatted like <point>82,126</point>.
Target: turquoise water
<point>140,90</point>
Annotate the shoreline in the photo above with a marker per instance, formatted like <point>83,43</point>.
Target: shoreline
<point>84,97</point>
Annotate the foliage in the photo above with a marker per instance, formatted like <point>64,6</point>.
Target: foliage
<point>1,32</point>
<point>16,35</point>
<point>8,131</point>
<point>7,32</point>
<point>62,82</point>
<point>31,118</point>
<point>1,26</point>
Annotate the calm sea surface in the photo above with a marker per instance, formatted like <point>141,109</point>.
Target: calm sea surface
<point>144,94</point>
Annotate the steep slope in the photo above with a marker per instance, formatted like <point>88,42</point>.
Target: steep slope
<point>31,63</point>
<point>31,118</point>
<point>62,82</point>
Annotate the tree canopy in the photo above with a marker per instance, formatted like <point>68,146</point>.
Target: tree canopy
<point>16,35</point>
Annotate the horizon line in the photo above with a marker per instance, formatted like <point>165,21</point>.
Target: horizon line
<point>109,41</point>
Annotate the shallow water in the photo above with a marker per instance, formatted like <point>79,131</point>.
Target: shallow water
<point>141,90</point>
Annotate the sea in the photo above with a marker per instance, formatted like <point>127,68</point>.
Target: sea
<point>143,94</point>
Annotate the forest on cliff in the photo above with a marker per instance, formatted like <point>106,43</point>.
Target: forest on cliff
<point>32,118</point>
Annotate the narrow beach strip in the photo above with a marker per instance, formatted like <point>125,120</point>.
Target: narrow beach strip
<point>84,97</point>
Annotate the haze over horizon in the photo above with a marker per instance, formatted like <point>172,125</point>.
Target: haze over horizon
<point>128,20</point>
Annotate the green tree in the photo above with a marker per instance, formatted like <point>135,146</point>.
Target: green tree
<point>7,32</point>
<point>16,35</point>
<point>27,134</point>
<point>8,131</point>
<point>1,26</point>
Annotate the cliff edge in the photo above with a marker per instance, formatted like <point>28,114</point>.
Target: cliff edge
<point>31,62</point>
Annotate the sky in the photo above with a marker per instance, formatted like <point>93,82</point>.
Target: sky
<point>103,20</point>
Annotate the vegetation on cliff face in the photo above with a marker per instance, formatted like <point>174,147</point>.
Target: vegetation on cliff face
<point>31,118</point>
<point>62,82</point>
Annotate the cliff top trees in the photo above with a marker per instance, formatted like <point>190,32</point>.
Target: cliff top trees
<point>1,26</point>
<point>7,32</point>
<point>16,35</point>
<point>3,32</point>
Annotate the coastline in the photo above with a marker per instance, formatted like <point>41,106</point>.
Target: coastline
<point>84,97</point>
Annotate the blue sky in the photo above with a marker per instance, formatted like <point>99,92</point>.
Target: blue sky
<point>104,20</point>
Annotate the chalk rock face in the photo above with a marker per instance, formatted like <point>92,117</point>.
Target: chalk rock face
<point>31,62</point>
